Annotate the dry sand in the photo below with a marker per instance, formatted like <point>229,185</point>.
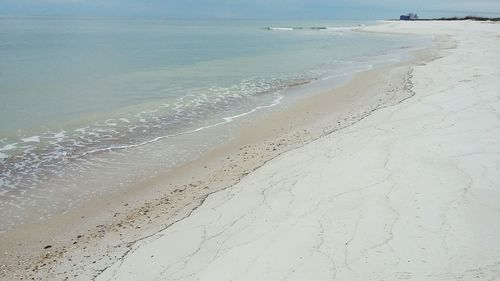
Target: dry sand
<point>411,192</point>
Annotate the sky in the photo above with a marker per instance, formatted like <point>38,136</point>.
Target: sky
<point>250,9</point>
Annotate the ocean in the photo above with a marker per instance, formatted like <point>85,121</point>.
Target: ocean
<point>91,105</point>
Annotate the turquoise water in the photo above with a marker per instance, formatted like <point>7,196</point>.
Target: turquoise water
<point>71,89</point>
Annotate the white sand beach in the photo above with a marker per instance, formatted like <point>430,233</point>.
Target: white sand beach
<point>411,192</point>
<point>393,175</point>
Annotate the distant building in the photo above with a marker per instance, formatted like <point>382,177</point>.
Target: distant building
<point>410,16</point>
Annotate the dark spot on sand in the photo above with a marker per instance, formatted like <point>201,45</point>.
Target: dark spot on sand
<point>48,247</point>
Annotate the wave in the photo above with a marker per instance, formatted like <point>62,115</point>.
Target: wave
<point>344,28</point>
<point>297,28</point>
<point>335,28</point>
<point>280,28</point>
<point>30,159</point>
<point>226,120</point>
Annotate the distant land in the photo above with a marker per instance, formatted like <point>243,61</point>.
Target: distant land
<point>474,18</point>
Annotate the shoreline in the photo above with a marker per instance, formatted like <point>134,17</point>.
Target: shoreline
<point>157,206</point>
<point>74,178</point>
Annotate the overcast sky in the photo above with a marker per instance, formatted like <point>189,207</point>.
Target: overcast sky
<point>263,9</point>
